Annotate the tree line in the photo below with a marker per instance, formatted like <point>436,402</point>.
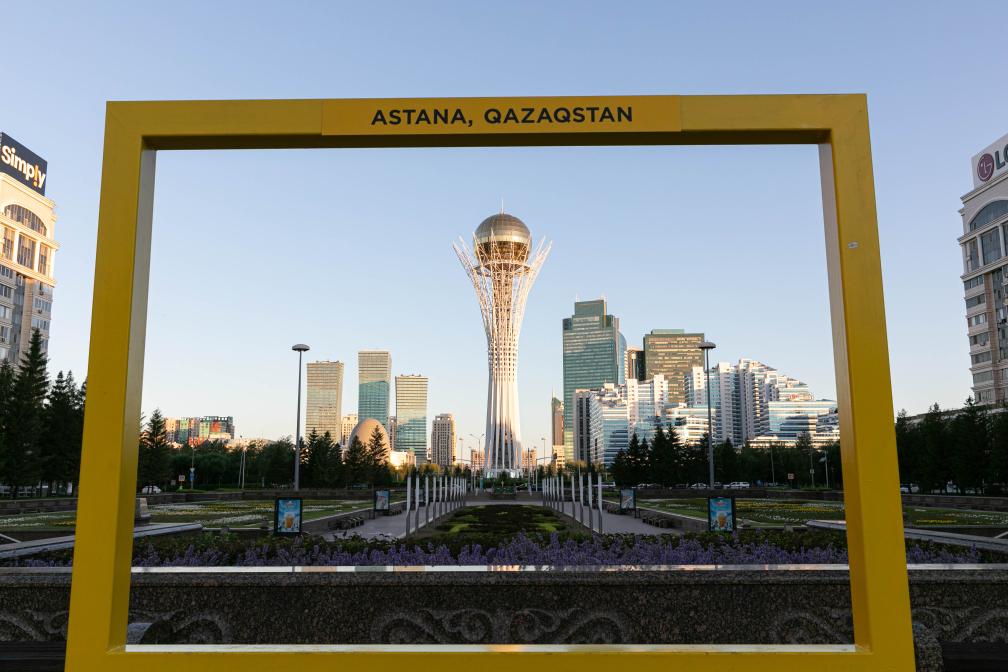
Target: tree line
<point>964,451</point>
<point>41,424</point>
<point>667,461</point>
<point>267,464</point>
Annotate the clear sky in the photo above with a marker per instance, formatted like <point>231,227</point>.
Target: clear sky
<point>349,250</point>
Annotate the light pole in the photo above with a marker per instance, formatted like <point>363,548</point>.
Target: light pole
<point>299,348</point>
<point>707,346</point>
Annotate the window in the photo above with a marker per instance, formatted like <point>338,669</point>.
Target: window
<point>981,357</point>
<point>5,333</point>
<point>6,292</point>
<point>973,282</point>
<point>977,319</point>
<point>972,255</point>
<point>43,260</point>
<point>975,301</point>
<point>988,214</point>
<point>26,252</point>
<point>42,304</point>
<point>979,339</point>
<point>6,272</point>
<point>5,313</point>
<point>7,252</point>
<point>39,323</point>
<point>990,245</point>
<point>23,215</point>
<point>984,377</point>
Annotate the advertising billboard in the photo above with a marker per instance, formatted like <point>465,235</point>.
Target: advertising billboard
<point>721,514</point>
<point>22,164</point>
<point>287,516</point>
<point>990,162</point>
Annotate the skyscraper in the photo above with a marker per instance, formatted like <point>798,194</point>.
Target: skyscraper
<point>557,424</point>
<point>375,374</point>
<point>411,415</point>
<point>672,353</point>
<point>27,252</point>
<point>443,440</point>
<point>635,367</point>
<point>347,424</point>
<point>591,356</point>
<point>324,405</point>
<point>502,273</point>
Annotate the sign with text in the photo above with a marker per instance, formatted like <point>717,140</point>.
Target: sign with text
<point>561,114</point>
<point>990,162</point>
<point>287,516</point>
<point>721,514</point>
<point>21,163</point>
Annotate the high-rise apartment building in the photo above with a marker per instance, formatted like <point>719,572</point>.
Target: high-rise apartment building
<point>411,415</point>
<point>324,403</point>
<point>443,440</point>
<point>985,272</point>
<point>193,431</point>
<point>347,423</point>
<point>374,370</point>
<point>754,402</point>
<point>27,221</point>
<point>672,353</point>
<point>592,356</point>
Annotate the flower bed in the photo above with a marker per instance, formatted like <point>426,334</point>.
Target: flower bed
<point>750,547</point>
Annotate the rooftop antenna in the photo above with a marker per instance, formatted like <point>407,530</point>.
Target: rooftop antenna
<point>502,205</point>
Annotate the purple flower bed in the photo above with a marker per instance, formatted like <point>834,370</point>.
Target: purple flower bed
<point>751,549</point>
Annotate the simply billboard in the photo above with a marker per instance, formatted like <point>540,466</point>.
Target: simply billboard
<point>21,163</point>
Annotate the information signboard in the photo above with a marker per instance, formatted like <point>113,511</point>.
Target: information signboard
<point>721,514</point>
<point>287,516</point>
<point>381,501</point>
<point>628,500</point>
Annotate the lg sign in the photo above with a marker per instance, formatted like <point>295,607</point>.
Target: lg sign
<point>985,167</point>
<point>990,162</point>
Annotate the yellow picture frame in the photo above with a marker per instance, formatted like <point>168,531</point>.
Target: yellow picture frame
<point>837,124</point>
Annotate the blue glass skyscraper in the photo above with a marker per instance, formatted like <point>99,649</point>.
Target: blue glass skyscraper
<point>593,351</point>
<point>374,368</point>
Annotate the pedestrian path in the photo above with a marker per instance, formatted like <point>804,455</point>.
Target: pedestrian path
<point>394,527</point>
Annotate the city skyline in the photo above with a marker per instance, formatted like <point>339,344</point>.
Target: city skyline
<point>917,184</point>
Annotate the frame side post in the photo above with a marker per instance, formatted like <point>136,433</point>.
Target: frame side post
<point>879,592</point>
<point>103,551</point>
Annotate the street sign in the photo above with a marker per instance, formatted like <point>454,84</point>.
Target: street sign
<point>790,477</point>
<point>181,478</point>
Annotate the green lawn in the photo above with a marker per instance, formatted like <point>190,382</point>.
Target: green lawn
<point>210,514</point>
<point>794,512</point>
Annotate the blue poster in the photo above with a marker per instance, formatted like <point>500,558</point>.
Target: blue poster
<point>721,512</point>
<point>288,516</point>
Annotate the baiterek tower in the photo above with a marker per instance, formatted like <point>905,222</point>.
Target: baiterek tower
<point>502,274</point>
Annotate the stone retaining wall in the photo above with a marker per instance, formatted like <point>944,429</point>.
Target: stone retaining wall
<point>798,604</point>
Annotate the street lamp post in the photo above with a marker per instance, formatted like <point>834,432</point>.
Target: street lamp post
<point>707,346</point>
<point>299,348</point>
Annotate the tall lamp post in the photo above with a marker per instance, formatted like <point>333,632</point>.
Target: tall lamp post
<point>299,348</point>
<point>707,346</point>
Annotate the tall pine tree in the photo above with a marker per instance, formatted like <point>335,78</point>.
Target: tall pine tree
<point>25,418</point>
<point>154,464</point>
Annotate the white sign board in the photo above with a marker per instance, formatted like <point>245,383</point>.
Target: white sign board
<point>990,162</point>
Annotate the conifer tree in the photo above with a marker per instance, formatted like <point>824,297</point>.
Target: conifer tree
<point>154,463</point>
<point>25,418</point>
